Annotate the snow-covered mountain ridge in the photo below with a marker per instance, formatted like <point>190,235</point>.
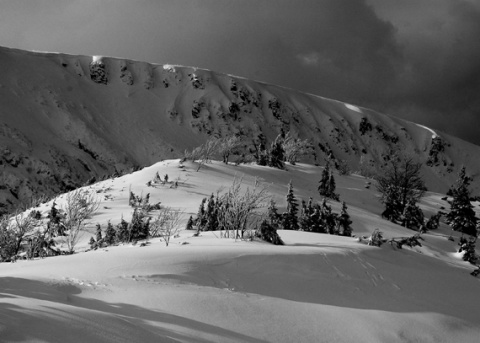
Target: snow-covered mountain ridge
<point>65,119</point>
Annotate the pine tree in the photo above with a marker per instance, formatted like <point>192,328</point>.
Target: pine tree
<point>412,216</point>
<point>273,216</point>
<point>269,233</point>
<point>328,218</point>
<point>276,154</point>
<point>304,217</point>
<point>331,188</point>
<point>316,220</point>
<point>462,216</point>
<point>344,222</point>
<point>324,183</point>
<point>189,224</point>
<point>122,231</point>
<point>211,215</point>
<point>92,243</point>
<point>132,199</point>
<point>99,233</point>
<point>110,234</point>
<point>54,226</point>
<point>201,219</point>
<point>290,220</point>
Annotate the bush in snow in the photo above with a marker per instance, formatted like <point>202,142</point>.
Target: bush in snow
<point>268,233</point>
<point>376,239</point>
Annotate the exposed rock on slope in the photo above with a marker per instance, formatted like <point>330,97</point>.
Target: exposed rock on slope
<point>65,119</point>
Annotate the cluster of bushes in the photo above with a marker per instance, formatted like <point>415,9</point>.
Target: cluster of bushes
<point>142,225</point>
<point>235,212</point>
<point>285,148</point>
<point>38,237</point>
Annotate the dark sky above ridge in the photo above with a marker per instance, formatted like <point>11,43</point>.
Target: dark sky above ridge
<point>416,59</point>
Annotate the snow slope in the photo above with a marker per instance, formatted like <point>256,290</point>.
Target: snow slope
<point>65,119</point>
<point>317,288</point>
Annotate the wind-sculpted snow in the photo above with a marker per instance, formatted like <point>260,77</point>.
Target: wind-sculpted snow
<point>85,117</point>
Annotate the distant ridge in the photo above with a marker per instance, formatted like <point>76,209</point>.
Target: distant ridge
<point>65,119</point>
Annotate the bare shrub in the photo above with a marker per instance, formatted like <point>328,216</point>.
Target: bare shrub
<point>294,148</point>
<point>203,154</point>
<point>166,224</point>
<point>237,212</point>
<point>227,146</point>
<point>79,206</point>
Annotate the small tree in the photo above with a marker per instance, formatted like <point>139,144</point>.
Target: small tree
<point>110,234</point>
<point>166,224</point>
<point>326,185</point>
<point>412,216</point>
<point>276,154</point>
<point>99,237</point>
<point>294,148</point>
<point>268,233</point>
<point>462,216</point>
<point>189,225</point>
<point>344,222</point>
<point>79,206</point>
<point>227,146</point>
<point>399,185</point>
<point>376,239</point>
<point>290,220</point>
<point>8,241</point>
<point>237,212</point>
<point>201,219</point>
<point>272,214</point>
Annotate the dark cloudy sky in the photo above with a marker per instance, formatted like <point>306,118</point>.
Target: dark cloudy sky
<point>417,59</point>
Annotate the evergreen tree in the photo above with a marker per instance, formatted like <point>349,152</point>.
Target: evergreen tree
<point>344,222</point>
<point>304,217</point>
<point>92,243</point>
<point>99,233</point>
<point>211,215</point>
<point>269,233</point>
<point>316,220</point>
<point>290,220</point>
<point>462,216</point>
<point>328,218</point>
<point>331,188</point>
<point>324,183</point>
<point>273,216</point>
<point>54,226</point>
<point>122,231</point>
<point>110,234</point>
<point>189,224</point>
<point>201,219</point>
<point>412,216</point>
<point>469,247</point>
<point>132,199</point>
<point>276,154</point>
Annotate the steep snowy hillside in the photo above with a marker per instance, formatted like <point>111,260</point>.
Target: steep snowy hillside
<point>65,119</point>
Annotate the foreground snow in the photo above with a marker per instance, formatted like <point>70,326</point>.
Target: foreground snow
<point>317,288</point>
